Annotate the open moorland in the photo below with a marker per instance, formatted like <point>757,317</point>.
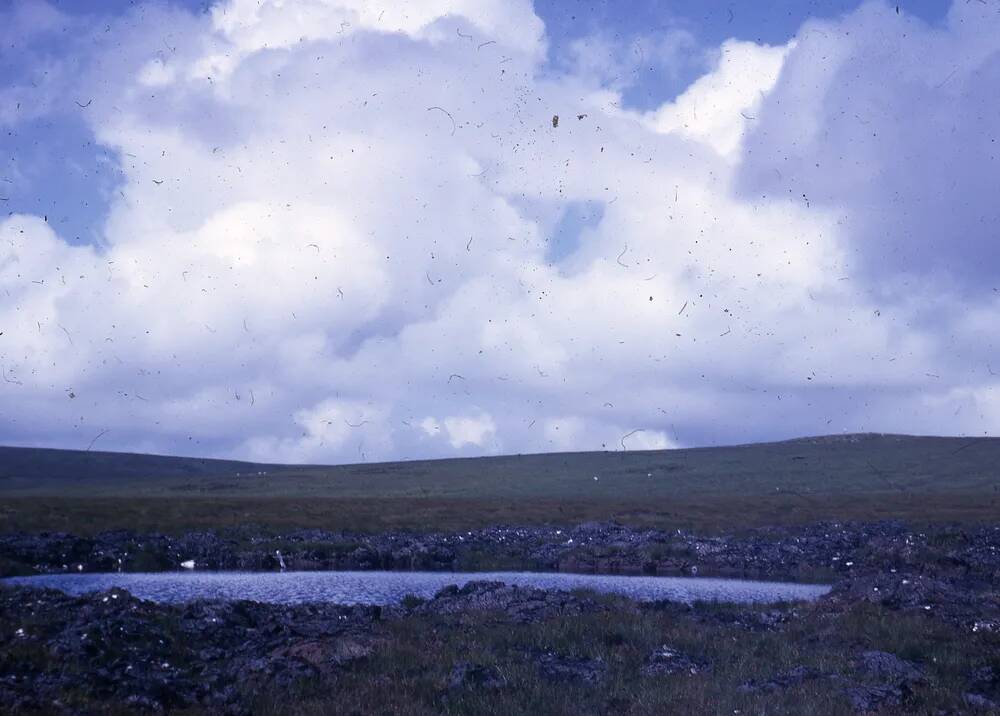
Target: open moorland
<point>904,529</point>
<point>850,477</point>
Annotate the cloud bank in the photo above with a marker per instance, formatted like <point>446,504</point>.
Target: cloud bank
<point>332,239</point>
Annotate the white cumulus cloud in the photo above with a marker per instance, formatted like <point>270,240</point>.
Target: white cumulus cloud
<point>332,241</point>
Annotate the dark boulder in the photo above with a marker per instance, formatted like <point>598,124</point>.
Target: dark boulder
<point>466,674</point>
<point>556,667</point>
<point>785,680</point>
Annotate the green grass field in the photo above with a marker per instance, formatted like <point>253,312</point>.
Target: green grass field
<point>919,479</point>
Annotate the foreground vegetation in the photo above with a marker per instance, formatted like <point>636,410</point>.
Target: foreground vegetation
<point>466,655</point>
<point>410,672</point>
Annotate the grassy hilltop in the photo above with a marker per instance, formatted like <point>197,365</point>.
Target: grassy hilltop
<point>837,477</point>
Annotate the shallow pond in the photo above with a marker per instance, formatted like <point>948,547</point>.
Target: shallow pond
<point>390,587</point>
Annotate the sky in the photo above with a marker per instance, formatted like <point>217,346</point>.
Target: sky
<point>343,231</point>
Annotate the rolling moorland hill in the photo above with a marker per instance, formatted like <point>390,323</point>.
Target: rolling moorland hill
<point>857,476</point>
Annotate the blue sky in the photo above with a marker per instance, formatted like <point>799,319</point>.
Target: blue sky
<point>710,22</point>
<point>324,231</point>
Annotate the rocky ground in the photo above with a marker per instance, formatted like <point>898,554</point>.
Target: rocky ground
<point>822,552</point>
<point>912,625</point>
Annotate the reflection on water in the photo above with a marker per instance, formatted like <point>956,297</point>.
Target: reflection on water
<point>391,587</point>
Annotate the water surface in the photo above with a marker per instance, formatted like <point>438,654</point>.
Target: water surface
<point>390,587</point>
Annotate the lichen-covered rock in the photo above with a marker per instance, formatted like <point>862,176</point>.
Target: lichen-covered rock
<point>883,666</point>
<point>665,661</point>
<point>511,603</point>
<point>868,699</point>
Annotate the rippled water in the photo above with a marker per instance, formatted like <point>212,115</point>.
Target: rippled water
<point>391,587</point>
